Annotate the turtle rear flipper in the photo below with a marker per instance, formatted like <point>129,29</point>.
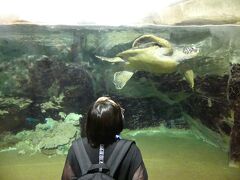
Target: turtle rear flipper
<point>189,76</point>
<point>112,60</point>
<point>121,78</point>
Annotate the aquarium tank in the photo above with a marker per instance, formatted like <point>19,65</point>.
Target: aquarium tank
<point>174,68</point>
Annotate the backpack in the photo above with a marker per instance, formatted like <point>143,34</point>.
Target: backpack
<point>101,171</point>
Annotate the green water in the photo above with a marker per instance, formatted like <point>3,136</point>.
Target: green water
<point>167,156</point>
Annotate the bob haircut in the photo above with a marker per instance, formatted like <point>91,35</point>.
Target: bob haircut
<point>104,121</point>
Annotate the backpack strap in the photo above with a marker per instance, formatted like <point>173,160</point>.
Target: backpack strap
<point>82,156</point>
<point>98,168</point>
<point>118,154</point>
<point>113,162</point>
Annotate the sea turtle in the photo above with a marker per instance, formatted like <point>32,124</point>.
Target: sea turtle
<point>155,55</point>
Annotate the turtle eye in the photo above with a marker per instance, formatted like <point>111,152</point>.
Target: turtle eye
<point>195,49</point>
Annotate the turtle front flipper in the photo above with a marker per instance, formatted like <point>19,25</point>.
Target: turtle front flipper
<point>112,60</point>
<point>121,78</point>
<point>189,76</point>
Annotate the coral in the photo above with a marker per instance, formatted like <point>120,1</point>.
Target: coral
<point>6,140</point>
<point>51,137</point>
<point>50,124</point>
<point>73,118</point>
<point>60,135</point>
<point>2,112</point>
<point>54,103</point>
<point>21,103</point>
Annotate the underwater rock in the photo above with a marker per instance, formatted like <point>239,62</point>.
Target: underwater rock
<point>209,103</point>
<point>216,104</point>
<point>207,135</point>
<point>150,112</point>
<point>14,76</point>
<point>235,138</point>
<point>57,86</point>
<point>234,97</point>
<point>138,114</point>
<point>13,113</point>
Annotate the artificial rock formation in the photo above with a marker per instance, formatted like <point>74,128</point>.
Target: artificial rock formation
<point>56,86</point>
<point>234,96</point>
<point>197,12</point>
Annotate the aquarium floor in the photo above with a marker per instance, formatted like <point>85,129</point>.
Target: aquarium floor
<point>166,158</point>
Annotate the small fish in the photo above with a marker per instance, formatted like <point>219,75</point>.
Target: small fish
<point>209,102</point>
<point>31,121</point>
<point>118,137</point>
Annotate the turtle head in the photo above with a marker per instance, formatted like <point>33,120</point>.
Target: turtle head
<point>191,50</point>
<point>187,52</point>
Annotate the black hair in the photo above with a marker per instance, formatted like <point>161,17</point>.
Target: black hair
<point>104,121</point>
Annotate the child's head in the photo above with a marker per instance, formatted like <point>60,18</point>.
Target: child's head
<point>104,121</point>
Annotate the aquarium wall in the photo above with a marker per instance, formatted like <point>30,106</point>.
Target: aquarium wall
<point>50,74</point>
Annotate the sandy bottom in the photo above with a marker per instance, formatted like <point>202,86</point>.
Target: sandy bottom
<point>166,157</point>
<point>184,158</point>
